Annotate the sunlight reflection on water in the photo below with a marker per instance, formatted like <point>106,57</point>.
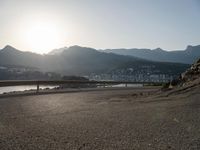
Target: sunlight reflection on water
<point>22,88</point>
<point>32,87</point>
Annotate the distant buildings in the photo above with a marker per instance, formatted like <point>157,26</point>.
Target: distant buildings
<point>22,73</point>
<point>144,75</point>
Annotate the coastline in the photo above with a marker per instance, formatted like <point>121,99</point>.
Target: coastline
<point>69,90</point>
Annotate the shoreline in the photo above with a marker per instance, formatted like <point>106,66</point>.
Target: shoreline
<point>69,90</point>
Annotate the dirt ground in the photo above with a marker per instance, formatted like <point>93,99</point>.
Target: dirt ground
<point>143,118</point>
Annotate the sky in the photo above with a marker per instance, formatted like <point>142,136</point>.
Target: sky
<point>42,25</point>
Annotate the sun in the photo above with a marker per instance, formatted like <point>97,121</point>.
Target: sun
<point>42,36</point>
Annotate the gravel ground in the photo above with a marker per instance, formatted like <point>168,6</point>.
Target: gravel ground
<point>111,120</point>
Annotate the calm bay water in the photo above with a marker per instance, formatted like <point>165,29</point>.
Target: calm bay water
<point>22,88</point>
<point>124,85</point>
<point>33,87</point>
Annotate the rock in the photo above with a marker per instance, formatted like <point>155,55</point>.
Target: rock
<point>192,73</point>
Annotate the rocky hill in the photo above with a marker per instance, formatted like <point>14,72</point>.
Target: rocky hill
<point>193,73</point>
<point>188,80</point>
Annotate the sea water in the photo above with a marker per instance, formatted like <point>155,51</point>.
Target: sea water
<point>22,88</point>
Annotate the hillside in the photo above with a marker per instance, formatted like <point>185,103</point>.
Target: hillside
<point>188,82</point>
<point>187,56</point>
<point>12,56</point>
<point>78,60</point>
<point>191,75</point>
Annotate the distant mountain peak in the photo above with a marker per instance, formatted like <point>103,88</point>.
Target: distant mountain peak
<point>158,49</point>
<point>75,46</point>
<point>190,47</point>
<point>8,47</point>
<point>57,51</point>
<point>79,47</point>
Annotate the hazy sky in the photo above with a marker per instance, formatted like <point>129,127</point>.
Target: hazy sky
<point>169,24</point>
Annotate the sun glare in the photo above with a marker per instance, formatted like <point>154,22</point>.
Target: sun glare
<point>41,36</point>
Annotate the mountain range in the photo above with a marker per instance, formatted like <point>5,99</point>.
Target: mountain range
<point>76,60</point>
<point>187,56</point>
